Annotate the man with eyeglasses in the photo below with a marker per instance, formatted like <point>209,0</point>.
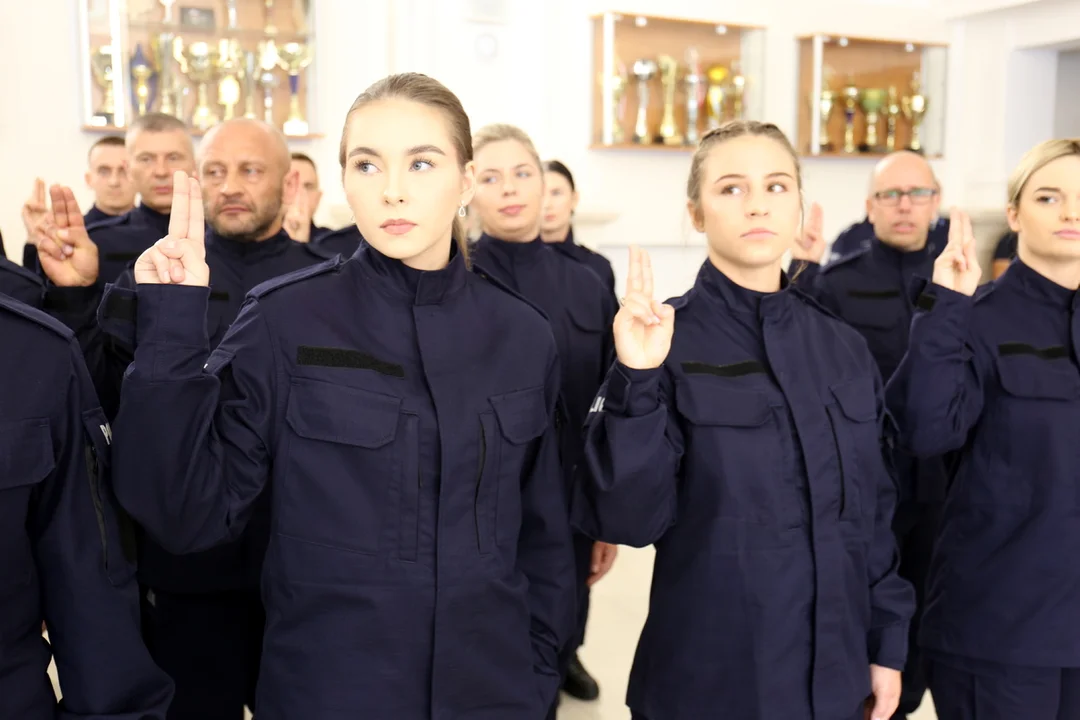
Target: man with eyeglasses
<point>869,289</point>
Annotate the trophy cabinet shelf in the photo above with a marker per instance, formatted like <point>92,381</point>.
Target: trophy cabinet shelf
<point>216,32</point>
<point>859,155</point>
<point>635,147</point>
<point>110,129</point>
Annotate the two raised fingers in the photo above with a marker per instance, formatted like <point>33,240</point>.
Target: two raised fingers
<point>186,215</point>
<point>168,269</point>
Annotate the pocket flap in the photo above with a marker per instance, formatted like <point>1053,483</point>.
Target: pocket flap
<point>26,453</point>
<point>708,403</point>
<point>857,399</point>
<point>586,318</point>
<point>522,414</point>
<point>1028,376</point>
<point>342,414</point>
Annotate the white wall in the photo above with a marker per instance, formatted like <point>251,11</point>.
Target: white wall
<point>999,103</point>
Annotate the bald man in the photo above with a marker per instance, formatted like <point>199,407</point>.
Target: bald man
<point>870,290</point>
<point>202,616</point>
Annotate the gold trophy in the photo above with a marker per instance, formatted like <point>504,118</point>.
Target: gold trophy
<point>823,106</point>
<point>615,86</point>
<point>715,95</point>
<point>872,101</point>
<point>268,60</point>
<point>293,57</point>
<point>230,70</point>
<point>695,95</point>
<point>268,6</point>
<point>738,89</point>
<point>850,93</point>
<point>669,74</point>
<point>251,83</point>
<point>644,71</point>
<point>200,63</point>
<point>891,113</point>
<point>165,50</point>
<point>914,108</point>
<point>101,64</point>
<point>142,72</point>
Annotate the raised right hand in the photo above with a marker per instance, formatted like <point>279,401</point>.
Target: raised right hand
<point>957,268</point>
<point>643,326</point>
<point>298,218</point>
<point>179,258</point>
<point>36,216</point>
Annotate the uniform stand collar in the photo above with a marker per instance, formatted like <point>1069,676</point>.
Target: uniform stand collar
<point>151,218</point>
<point>739,299</point>
<point>893,257</point>
<point>1037,286</point>
<point>514,252</point>
<point>250,251</point>
<point>420,287</point>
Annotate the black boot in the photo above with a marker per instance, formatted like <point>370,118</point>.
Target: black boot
<point>579,683</point>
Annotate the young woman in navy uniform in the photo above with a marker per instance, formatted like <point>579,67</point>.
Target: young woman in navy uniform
<point>556,228</point>
<point>740,432</point>
<point>401,408</point>
<point>992,374</point>
<point>509,201</point>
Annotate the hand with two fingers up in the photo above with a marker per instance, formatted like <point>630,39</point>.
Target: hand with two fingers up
<point>643,326</point>
<point>810,245</point>
<point>66,254</point>
<point>957,268</point>
<point>179,258</point>
<point>298,218</point>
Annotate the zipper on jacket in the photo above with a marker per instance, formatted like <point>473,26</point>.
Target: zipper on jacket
<point>840,462</point>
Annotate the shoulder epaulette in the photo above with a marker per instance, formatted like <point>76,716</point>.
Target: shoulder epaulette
<point>17,269</point>
<point>845,260</point>
<point>265,288</point>
<point>35,316</point>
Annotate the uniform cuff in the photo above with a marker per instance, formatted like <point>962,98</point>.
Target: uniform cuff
<point>171,314</point>
<point>631,392</point>
<point>930,297</point>
<point>888,647</point>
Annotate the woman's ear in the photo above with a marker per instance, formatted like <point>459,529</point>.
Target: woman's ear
<point>696,217</point>
<point>1012,214</point>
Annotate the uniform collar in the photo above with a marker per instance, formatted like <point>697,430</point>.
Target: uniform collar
<point>420,287</point>
<point>513,252</point>
<point>736,298</point>
<point>894,257</point>
<point>251,251</point>
<point>1037,286</point>
<point>144,216</point>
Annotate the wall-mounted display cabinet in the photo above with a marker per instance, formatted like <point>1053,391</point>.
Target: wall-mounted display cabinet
<point>867,97</point>
<point>201,60</point>
<point>664,82</point>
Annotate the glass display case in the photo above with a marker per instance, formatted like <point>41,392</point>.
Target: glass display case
<point>201,60</point>
<point>663,82</point>
<point>867,97</point>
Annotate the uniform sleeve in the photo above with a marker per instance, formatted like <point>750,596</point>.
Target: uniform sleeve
<point>633,447</point>
<point>805,275</point>
<point>892,598</point>
<point>193,428</point>
<point>85,564</point>
<point>936,394</point>
<point>545,552</point>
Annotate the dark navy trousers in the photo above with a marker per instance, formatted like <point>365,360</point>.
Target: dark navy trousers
<point>969,689</point>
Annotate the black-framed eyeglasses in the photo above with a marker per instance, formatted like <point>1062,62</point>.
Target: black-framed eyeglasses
<point>918,196</point>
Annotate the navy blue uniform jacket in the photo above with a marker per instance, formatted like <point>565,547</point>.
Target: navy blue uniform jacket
<point>592,260</point>
<point>996,377</point>
<point>343,242</point>
<point>19,283</point>
<point>581,311</point>
<point>121,240</point>
<point>235,269</point>
<point>420,564</point>
<point>869,290</point>
<point>63,558</point>
<point>752,459</point>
